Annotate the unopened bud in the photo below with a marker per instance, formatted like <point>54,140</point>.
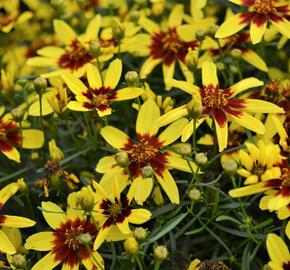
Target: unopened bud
<point>132,78</point>
<point>147,171</point>
<point>118,31</point>
<point>161,253</point>
<point>54,151</point>
<point>234,69</point>
<point>236,53</point>
<point>220,66</point>
<point>17,115</point>
<point>85,239</point>
<point>95,49</point>
<point>201,159</point>
<point>140,234</point>
<point>131,246</point>
<point>191,59</point>
<point>22,185</point>
<point>230,165</point>
<point>212,29</point>
<point>19,260</point>
<point>194,107</point>
<point>185,150</point>
<point>194,194</point>
<point>200,33</point>
<point>122,159</point>
<point>40,84</point>
<point>86,199</point>
<point>134,16</point>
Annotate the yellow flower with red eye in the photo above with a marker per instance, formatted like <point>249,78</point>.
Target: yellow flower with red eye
<point>221,105</point>
<point>75,56</point>
<point>100,92</point>
<point>260,13</point>
<point>11,138</point>
<point>6,193</point>
<point>147,158</point>
<point>114,209</point>
<point>278,252</point>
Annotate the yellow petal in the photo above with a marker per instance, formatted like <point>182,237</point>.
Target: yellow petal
<point>287,230</point>
<point>148,66</point>
<point>278,201</point>
<point>250,122</point>
<point>53,52</point>
<point>150,26</point>
<point>53,214</point>
<point>74,84</point>
<point>105,164</point>
<point>115,234</point>
<point>42,241</point>
<point>188,130</point>
<point>93,28</point>
<point>261,106</point>
<point>47,262</point>
<point>277,249</point>
<point>5,244</point>
<point>283,27</point>
<point>105,112</point>
<point>114,136</point>
<point>209,74</point>
<point>17,222</point>
<point>32,138</point>
<point>39,61</point>
<point>185,86</point>
<point>64,32</point>
<point>231,26</point>
<point>177,162</point>
<point>248,190</point>
<point>168,72</point>
<point>94,77</point>
<point>140,190</point>
<point>34,108</point>
<point>128,93</point>
<point>173,131</point>
<point>168,184</point>
<point>12,154</point>
<point>246,160</point>
<point>77,106</point>
<point>194,265</point>
<point>124,226</point>
<point>255,60</point>
<point>244,85</point>
<point>257,31</point>
<point>113,74</point>
<point>147,117</point>
<point>139,216</point>
<point>172,116</point>
<point>176,16</point>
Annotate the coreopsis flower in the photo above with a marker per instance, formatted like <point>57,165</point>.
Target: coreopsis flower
<point>75,56</point>
<point>12,15</point>
<point>147,157</point>
<point>260,163</point>
<point>114,209</point>
<point>221,105</point>
<point>278,252</point>
<point>7,192</point>
<point>11,138</point>
<point>260,13</point>
<point>100,92</point>
<point>165,46</point>
<point>67,244</point>
<point>237,45</point>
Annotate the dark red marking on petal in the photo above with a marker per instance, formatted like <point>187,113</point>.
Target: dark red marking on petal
<point>2,219</point>
<point>259,20</point>
<point>220,117</point>
<point>247,2</point>
<point>169,47</point>
<point>229,110</point>
<point>274,183</point>
<point>75,57</point>
<point>66,246</point>
<point>275,18</point>
<point>286,265</point>
<point>246,17</point>
<point>9,135</point>
<point>236,103</point>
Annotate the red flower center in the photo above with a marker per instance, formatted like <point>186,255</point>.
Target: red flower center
<point>9,135</point>
<point>169,46</point>
<point>264,6</point>
<point>75,57</point>
<point>286,177</point>
<point>214,98</point>
<point>146,152</point>
<point>67,246</point>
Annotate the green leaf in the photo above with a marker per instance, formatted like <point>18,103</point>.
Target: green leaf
<point>225,217</point>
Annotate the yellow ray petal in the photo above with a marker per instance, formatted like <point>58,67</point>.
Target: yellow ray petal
<point>32,138</point>
<point>93,28</point>
<point>12,154</point>
<point>168,72</point>
<point>113,74</point>
<point>283,27</point>
<point>94,77</point>
<point>177,162</point>
<point>64,32</point>
<point>257,31</point>
<point>105,112</point>
<point>74,84</point>
<point>261,106</point>
<point>114,136</point>
<point>222,134</point>
<point>248,190</point>
<point>188,130</point>
<point>176,16</point>
<point>277,249</point>
<point>255,60</point>
<point>185,86</point>
<point>39,61</point>
<point>147,117</point>
<point>139,216</point>
<point>209,74</point>
<point>105,164</point>
<point>17,222</point>
<point>53,214</point>
<point>42,241</point>
<point>140,190</point>
<point>150,26</point>
<point>5,244</point>
<point>128,93</point>
<point>244,85</point>
<point>53,52</point>
<point>48,262</point>
<point>172,116</point>
<point>77,106</point>
<point>148,66</point>
<point>124,226</point>
<point>250,122</point>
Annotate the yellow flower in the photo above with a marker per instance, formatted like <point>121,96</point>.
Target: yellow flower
<point>66,243</point>
<point>278,252</point>
<point>221,105</point>
<point>75,56</point>
<point>54,151</point>
<point>259,14</point>
<point>100,92</point>
<point>147,157</point>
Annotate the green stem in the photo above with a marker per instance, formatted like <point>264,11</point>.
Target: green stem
<point>157,265</point>
<point>71,133</point>
<point>139,262</point>
<point>99,68</point>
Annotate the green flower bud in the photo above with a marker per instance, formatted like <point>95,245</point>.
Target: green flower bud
<point>19,260</point>
<point>86,199</point>
<point>40,84</point>
<point>132,78</point>
<point>201,159</point>
<point>230,165</point>
<point>131,246</point>
<point>140,234</point>
<point>147,171</point>
<point>85,239</point>
<point>236,53</point>
<point>194,194</point>
<point>160,253</point>
<point>122,159</point>
<point>185,149</point>
<point>95,49</point>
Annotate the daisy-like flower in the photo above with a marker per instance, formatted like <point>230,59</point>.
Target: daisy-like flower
<point>221,105</point>
<point>75,56</point>
<point>260,13</point>
<point>235,43</point>
<point>114,210</point>
<point>148,156</point>
<point>165,46</point>
<point>260,163</point>
<point>66,243</point>
<point>278,253</point>
<point>11,138</point>
<point>99,93</point>
<point>7,192</point>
